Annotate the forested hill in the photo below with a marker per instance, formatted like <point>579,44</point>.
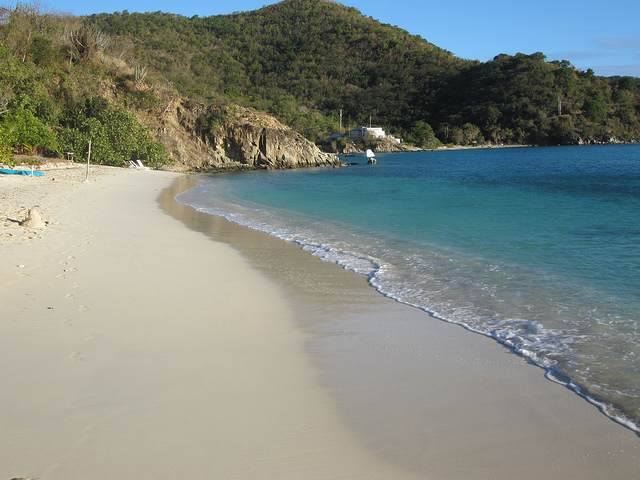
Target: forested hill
<point>304,60</point>
<point>119,75</point>
<point>292,58</point>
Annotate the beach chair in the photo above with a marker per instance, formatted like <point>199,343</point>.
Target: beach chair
<point>141,166</point>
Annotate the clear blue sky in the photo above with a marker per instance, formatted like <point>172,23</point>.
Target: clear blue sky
<point>604,36</point>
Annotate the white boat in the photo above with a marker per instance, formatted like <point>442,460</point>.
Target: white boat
<point>370,156</point>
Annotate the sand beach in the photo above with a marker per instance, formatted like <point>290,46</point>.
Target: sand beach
<point>140,338</point>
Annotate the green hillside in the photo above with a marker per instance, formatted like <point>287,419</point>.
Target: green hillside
<point>300,60</point>
<point>304,60</point>
<point>64,79</point>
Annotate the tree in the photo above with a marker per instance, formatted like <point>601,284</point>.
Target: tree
<point>30,134</point>
<point>115,133</point>
<point>421,134</point>
<point>25,20</point>
<point>7,142</point>
<point>471,134</point>
<point>594,109</point>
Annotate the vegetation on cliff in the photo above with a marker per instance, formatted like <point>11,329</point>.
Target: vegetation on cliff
<point>55,78</point>
<point>65,82</point>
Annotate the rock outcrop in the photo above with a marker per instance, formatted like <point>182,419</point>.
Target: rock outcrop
<point>355,146</point>
<point>230,137</point>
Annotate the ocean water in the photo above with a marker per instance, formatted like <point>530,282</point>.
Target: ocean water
<point>538,248</point>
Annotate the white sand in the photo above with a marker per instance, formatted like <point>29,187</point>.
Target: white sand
<point>132,346</point>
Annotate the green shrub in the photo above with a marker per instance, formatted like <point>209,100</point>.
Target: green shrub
<point>7,141</point>
<point>116,137</point>
<point>421,134</point>
<point>31,134</point>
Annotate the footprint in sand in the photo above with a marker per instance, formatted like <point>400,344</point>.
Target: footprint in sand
<point>66,322</point>
<point>82,244</point>
<point>60,277</point>
<point>83,308</point>
<point>69,296</point>
<point>75,356</point>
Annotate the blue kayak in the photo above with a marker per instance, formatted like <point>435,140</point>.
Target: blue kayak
<point>21,172</point>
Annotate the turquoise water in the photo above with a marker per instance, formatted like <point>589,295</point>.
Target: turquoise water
<point>538,248</point>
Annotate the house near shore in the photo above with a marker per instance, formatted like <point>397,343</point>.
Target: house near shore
<point>367,132</point>
<point>371,132</point>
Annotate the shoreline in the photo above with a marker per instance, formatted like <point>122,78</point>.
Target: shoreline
<point>134,345</point>
<point>456,148</point>
<point>355,335</point>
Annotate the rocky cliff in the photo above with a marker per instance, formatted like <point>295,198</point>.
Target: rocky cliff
<point>230,137</point>
<point>356,146</point>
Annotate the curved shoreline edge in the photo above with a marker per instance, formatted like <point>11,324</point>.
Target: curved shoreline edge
<point>357,334</point>
<point>319,250</point>
<point>132,344</point>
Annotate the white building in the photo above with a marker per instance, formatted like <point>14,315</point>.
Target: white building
<point>367,132</point>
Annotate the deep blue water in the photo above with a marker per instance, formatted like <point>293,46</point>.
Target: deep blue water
<point>536,247</point>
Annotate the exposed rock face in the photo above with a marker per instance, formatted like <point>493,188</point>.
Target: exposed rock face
<point>387,145</point>
<point>378,145</point>
<point>225,137</point>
